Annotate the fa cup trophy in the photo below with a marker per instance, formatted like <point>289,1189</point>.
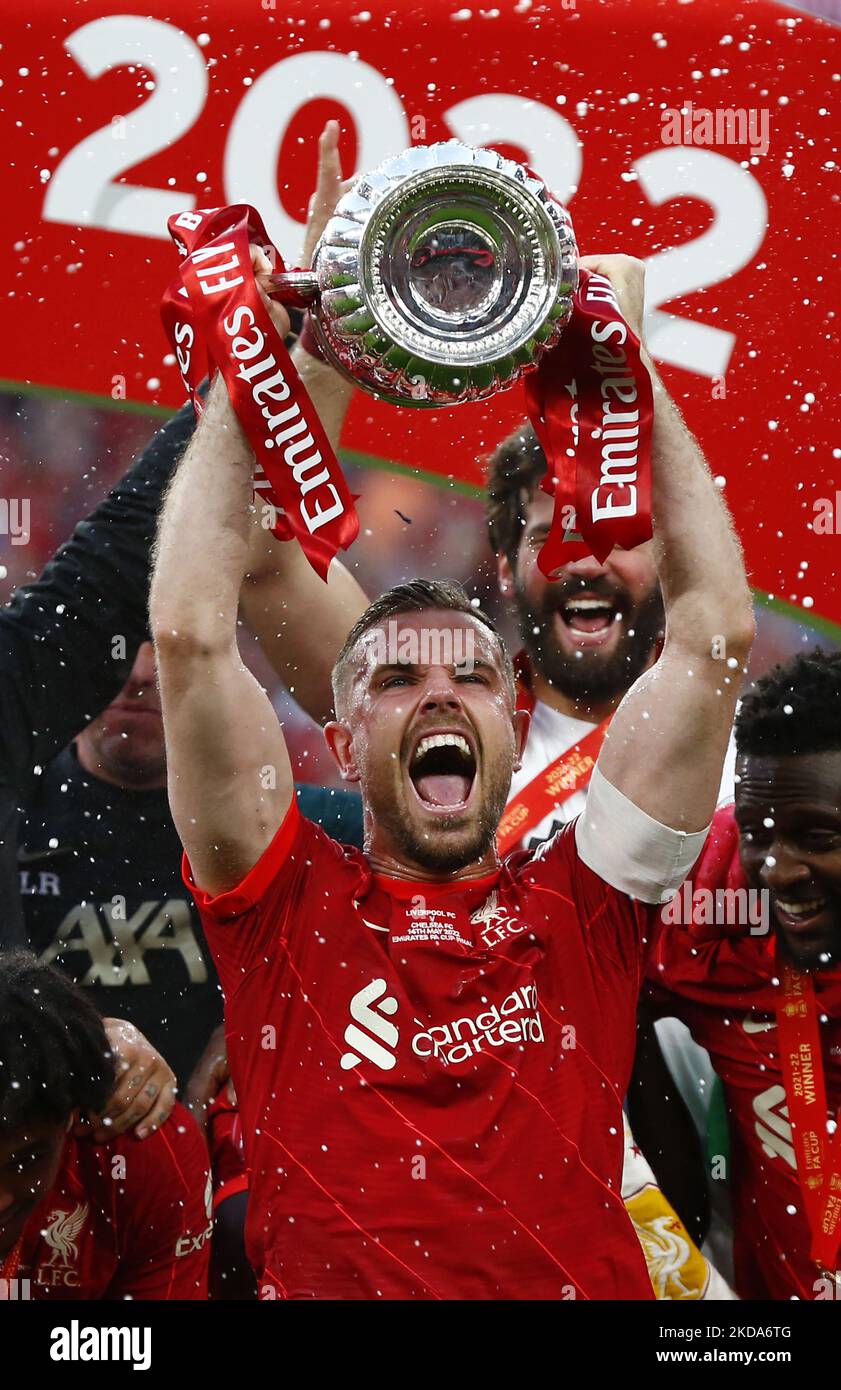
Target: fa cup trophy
<point>445,275</point>
<point>442,277</point>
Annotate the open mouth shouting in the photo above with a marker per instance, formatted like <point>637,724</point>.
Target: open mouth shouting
<point>442,771</point>
<point>588,619</point>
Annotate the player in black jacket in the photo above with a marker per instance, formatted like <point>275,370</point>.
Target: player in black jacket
<point>68,640</point>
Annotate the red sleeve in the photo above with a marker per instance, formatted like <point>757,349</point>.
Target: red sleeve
<point>244,925</point>
<point>696,947</point>
<point>164,1214</point>
<point>227,1159</point>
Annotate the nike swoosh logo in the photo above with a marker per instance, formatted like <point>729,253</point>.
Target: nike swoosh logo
<point>755,1025</point>
<point>38,856</point>
<point>372,925</point>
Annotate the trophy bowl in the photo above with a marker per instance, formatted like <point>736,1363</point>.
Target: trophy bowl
<point>442,276</point>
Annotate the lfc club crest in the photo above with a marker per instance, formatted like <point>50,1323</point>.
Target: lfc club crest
<point>61,1233</point>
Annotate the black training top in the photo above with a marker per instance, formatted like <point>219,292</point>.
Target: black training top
<point>103,899</point>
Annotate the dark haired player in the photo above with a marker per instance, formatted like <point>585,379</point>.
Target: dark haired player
<point>81,1219</point>
<point>781,840</point>
<point>68,640</point>
<point>67,643</point>
<point>430,1049</point>
<point>587,635</point>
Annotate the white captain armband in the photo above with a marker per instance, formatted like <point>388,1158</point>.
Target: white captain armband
<point>629,849</point>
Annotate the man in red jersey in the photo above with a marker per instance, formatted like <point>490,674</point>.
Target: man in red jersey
<point>81,1219</point>
<point>767,1003</point>
<point>431,1049</point>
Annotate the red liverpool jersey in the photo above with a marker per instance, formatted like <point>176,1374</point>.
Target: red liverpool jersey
<point>726,989</point>
<point>430,1077</point>
<point>130,1218</point>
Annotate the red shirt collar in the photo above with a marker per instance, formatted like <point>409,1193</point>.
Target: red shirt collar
<point>412,887</point>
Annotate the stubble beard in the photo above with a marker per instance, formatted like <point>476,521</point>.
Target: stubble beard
<point>449,845</point>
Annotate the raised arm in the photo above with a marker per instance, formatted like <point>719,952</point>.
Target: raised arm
<point>300,621</point>
<point>668,738</point>
<point>274,572</point>
<point>230,781</point>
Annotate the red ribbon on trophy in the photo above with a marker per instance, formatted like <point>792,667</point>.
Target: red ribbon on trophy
<point>214,315</point>
<point>591,404</point>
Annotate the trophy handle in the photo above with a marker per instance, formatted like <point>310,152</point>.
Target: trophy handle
<point>293,286</point>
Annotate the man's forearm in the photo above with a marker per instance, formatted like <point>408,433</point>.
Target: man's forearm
<point>202,548</point>
<point>283,600</point>
<point>699,558</point>
<point>221,731</point>
<point>331,392</point>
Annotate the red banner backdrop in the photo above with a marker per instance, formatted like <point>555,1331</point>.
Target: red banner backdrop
<point>699,136</point>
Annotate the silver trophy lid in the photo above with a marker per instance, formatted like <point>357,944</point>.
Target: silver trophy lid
<point>444,274</point>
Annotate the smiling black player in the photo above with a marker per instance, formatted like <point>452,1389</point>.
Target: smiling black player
<point>767,1004</point>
